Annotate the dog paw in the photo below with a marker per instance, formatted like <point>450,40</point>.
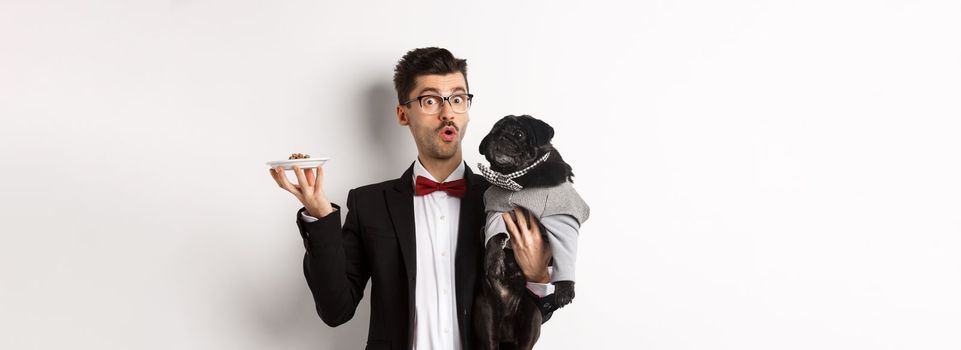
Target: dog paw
<point>563,292</point>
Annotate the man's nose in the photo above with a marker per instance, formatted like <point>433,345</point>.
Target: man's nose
<point>446,112</point>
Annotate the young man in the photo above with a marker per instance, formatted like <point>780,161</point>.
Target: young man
<point>418,237</point>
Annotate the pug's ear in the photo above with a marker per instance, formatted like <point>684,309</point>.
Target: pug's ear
<point>543,133</point>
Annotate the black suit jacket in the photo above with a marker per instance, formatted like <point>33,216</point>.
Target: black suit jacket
<point>377,243</point>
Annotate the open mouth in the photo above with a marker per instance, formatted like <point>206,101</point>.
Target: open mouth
<point>448,133</point>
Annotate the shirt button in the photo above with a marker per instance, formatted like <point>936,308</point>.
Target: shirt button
<point>443,253</point>
<point>442,217</point>
<point>446,330</point>
<point>444,291</point>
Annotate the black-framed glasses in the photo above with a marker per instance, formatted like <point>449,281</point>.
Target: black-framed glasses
<point>431,104</point>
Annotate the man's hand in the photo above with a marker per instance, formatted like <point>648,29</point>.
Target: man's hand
<point>530,250</point>
<point>308,189</point>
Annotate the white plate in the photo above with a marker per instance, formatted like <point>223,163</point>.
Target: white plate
<point>288,164</point>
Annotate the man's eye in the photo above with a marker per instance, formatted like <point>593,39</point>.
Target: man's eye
<point>457,100</point>
<point>430,101</point>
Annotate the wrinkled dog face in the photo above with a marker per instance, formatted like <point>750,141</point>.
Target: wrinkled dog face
<point>516,142</point>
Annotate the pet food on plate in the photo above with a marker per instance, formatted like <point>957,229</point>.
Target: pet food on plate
<point>304,161</point>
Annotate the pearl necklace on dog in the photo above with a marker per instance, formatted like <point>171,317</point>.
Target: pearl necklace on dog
<point>507,181</point>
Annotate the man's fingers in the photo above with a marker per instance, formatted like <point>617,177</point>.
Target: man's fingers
<point>273,175</point>
<point>535,228</point>
<point>511,227</point>
<point>521,218</point>
<point>309,174</point>
<point>281,179</point>
<point>529,232</point>
<point>319,180</point>
<point>301,180</point>
<point>279,176</point>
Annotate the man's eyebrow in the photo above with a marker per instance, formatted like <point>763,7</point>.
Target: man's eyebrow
<point>434,90</point>
<point>430,89</point>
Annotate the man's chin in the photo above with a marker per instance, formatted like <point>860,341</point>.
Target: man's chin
<point>445,152</point>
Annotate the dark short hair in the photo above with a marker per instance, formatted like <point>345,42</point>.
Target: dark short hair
<point>425,61</point>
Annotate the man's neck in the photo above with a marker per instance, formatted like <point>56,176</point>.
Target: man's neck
<point>440,169</point>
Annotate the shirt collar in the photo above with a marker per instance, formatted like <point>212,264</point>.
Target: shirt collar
<point>419,170</point>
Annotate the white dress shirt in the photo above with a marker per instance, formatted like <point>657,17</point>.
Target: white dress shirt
<point>436,219</point>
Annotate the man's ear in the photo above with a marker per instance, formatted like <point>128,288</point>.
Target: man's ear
<point>402,117</point>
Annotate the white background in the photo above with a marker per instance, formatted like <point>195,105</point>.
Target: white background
<point>762,175</point>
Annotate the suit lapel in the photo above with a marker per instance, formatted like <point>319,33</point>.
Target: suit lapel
<point>468,231</point>
<point>400,203</point>
<point>469,247</point>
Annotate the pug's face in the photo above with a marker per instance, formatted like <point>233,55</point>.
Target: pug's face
<point>516,142</point>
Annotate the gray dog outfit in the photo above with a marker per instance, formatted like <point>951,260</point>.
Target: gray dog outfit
<point>559,209</point>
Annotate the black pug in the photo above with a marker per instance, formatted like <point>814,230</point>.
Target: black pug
<point>526,171</point>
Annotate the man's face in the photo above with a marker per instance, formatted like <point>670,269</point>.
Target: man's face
<point>437,135</point>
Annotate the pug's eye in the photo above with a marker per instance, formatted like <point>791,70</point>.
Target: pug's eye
<point>519,134</point>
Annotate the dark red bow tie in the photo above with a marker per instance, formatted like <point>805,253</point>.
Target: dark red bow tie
<point>456,188</point>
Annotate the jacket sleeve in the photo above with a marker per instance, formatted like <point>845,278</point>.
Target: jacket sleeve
<point>334,263</point>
